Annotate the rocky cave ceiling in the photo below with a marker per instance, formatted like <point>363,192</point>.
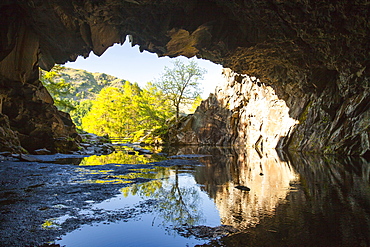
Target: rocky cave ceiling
<point>314,54</point>
<point>261,38</point>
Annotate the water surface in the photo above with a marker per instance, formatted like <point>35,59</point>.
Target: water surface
<point>293,200</point>
<point>190,199</point>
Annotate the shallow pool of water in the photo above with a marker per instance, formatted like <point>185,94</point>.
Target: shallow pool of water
<point>200,196</point>
<point>177,202</point>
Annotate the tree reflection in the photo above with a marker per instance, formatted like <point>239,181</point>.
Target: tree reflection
<point>119,157</point>
<point>178,203</point>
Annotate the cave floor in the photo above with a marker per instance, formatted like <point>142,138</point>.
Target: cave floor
<point>190,197</point>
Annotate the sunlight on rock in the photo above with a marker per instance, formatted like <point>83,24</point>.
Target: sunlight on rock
<point>54,223</point>
<point>243,111</point>
<point>107,181</point>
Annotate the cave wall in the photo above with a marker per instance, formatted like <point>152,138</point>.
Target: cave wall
<point>313,54</point>
<point>246,112</point>
<point>242,112</point>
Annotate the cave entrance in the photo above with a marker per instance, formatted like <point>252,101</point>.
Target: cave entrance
<point>101,93</point>
<point>128,63</point>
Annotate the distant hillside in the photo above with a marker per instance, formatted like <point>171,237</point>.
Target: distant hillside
<point>74,90</point>
<point>85,85</point>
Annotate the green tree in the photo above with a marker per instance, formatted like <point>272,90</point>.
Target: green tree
<point>198,100</point>
<point>109,114</point>
<point>153,107</point>
<point>58,89</point>
<point>181,83</point>
<point>127,111</point>
<point>81,109</point>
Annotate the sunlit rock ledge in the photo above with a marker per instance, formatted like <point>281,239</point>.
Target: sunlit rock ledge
<point>242,112</point>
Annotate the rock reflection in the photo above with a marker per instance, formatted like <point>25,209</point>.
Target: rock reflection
<point>267,176</point>
<point>328,205</point>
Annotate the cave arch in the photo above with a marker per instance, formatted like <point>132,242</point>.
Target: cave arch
<point>291,46</point>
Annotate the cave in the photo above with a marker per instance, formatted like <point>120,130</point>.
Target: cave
<point>314,55</point>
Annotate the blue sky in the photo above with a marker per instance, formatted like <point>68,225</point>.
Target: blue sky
<point>128,63</point>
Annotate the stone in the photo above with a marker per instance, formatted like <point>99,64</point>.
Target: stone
<point>9,139</point>
<point>25,157</point>
<point>240,113</point>
<point>246,112</point>
<point>312,56</point>
<point>42,151</point>
<point>241,187</point>
<point>6,153</point>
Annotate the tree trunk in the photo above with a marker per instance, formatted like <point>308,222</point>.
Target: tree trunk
<point>177,112</point>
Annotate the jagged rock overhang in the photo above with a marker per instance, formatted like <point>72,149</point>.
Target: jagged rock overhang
<point>291,46</point>
<point>260,38</point>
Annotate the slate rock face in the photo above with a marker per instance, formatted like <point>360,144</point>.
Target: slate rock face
<point>246,112</point>
<point>313,54</point>
<point>9,141</point>
<point>35,119</point>
<point>242,112</point>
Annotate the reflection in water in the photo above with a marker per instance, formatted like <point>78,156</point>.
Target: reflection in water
<point>120,156</point>
<point>268,178</point>
<point>178,203</point>
<point>91,166</point>
<point>327,205</point>
<point>309,201</point>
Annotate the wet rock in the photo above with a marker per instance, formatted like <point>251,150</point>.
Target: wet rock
<point>85,145</point>
<point>25,157</point>
<point>241,187</point>
<point>42,151</point>
<point>93,144</point>
<point>143,151</point>
<point>205,232</point>
<point>5,153</point>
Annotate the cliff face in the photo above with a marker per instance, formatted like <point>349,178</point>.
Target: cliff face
<point>246,112</point>
<point>312,54</point>
<point>242,112</point>
<point>33,121</point>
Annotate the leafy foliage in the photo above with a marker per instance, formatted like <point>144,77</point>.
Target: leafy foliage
<point>180,84</point>
<point>197,101</point>
<point>58,89</point>
<point>105,105</point>
<point>127,110</point>
<point>74,90</point>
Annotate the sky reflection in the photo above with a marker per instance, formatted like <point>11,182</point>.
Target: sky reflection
<point>186,195</point>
